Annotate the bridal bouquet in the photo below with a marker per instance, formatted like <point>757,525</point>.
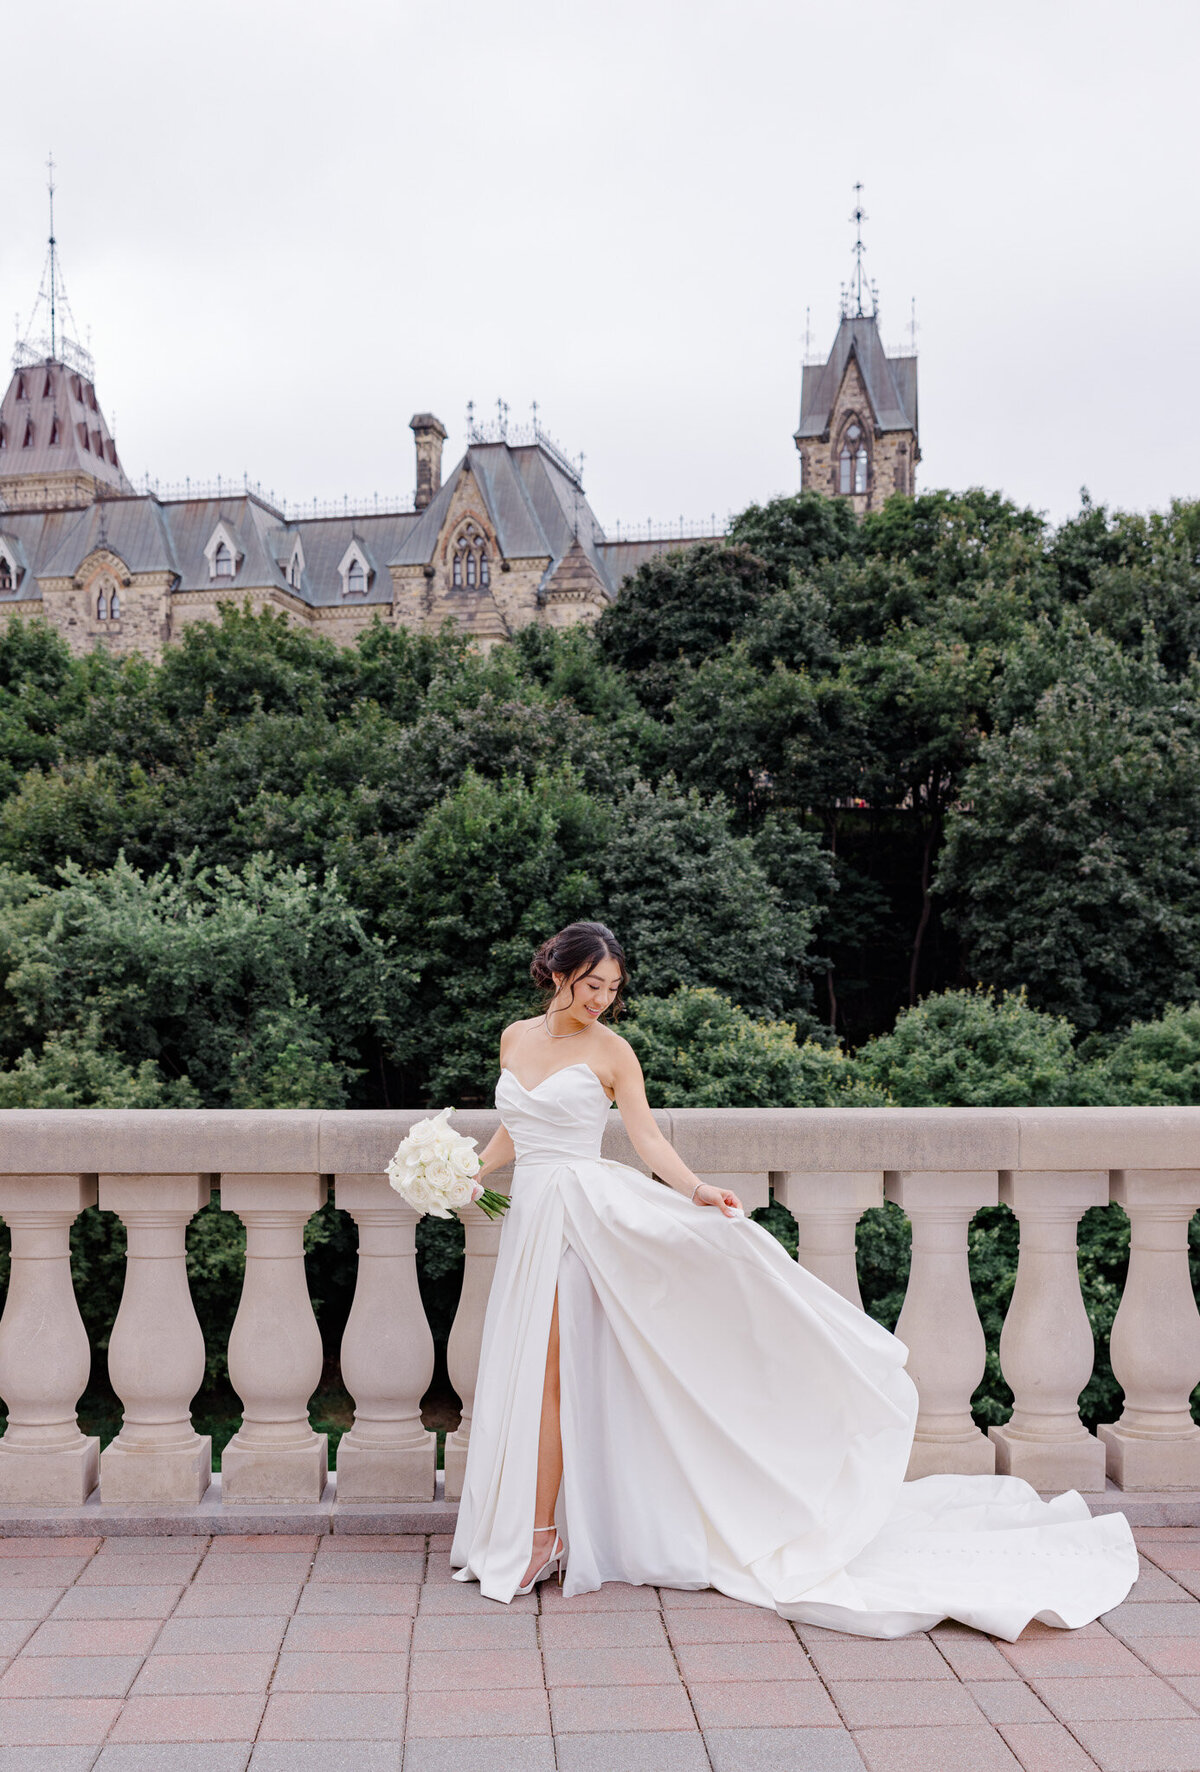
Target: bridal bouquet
<point>434,1169</point>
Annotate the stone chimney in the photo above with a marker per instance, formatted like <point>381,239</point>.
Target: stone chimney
<point>430,434</point>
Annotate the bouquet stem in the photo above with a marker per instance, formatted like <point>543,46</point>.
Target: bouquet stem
<point>492,1203</point>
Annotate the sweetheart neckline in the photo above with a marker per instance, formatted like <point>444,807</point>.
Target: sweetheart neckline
<point>581,1064</point>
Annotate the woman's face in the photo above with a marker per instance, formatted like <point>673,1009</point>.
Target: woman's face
<point>589,994</point>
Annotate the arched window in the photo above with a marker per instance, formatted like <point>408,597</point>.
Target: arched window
<point>101,604</point>
<point>114,605</point>
<point>48,389</point>
<point>294,572</point>
<point>55,436</point>
<point>469,564</point>
<point>21,394</point>
<point>3,436</point>
<point>356,579</point>
<point>6,573</point>
<point>222,561</point>
<point>28,443</point>
<point>853,463</point>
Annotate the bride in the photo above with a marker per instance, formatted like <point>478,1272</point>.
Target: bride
<point>665,1397</point>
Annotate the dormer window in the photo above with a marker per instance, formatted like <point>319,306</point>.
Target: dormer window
<point>222,561</point>
<point>98,443</point>
<point>48,389</point>
<point>294,572</point>
<point>77,389</point>
<point>222,552</point>
<point>28,442</point>
<point>3,436</point>
<point>84,439</point>
<point>21,393</point>
<point>55,432</point>
<point>91,396</point>
<point>110,450</point>
<point>469,565</point>
<point>8,573</point>
<point>355,571</point>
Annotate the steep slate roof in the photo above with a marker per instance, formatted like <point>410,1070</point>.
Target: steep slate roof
<point>39,408</point>
<point>891,382</point>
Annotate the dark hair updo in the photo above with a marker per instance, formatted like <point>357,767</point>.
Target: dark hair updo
<point>574,951</point>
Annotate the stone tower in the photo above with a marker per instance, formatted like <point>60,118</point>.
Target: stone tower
<point>858,435</point>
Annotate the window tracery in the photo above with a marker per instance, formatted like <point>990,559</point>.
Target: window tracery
<point>470,566</point>
<point>853,463</point>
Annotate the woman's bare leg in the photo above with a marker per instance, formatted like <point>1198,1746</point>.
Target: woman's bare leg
<point>550,1462</point>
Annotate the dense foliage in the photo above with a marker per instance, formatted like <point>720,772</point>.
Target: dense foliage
<point>901,810</point>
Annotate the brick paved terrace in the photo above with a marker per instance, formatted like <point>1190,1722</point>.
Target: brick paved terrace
<point>285,1653</point>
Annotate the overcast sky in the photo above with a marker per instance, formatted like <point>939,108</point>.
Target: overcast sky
<point>291,226</point>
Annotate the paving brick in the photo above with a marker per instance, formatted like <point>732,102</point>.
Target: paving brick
<point>339,1565</point>
<point>504,1753</point>
<point>70,1676</point>
<point>458,1670</point>
<point>30,1571</point>
<point>326,1756</point>
<point>118,1602</point>
<point>267,1543</point>
<point>340,1672</point>
<point>1142,1746</point>
<point>972,1656</point>
<point>1189,1688</point>
<point>220,1636</point>
<point>1046,1747</point>
<point>178,1676</point>
<point>253,1569</point>
<point>686,1599</point>
<point>1168,1655</point>
<point>1172,1556</point>
<point>225,1600</point>
<point>333,1598</point>
<point>497,1630</point>
<point>743,1661</point>
<point>633,1750</point>
<point>614,1596</point>
<point>1113,1700</point>
<point>130,1571</point>
<point>708,1625</point>
<point>1070,1654</point>
<point>49,1547</point>
<point>603,1709</point>
<point>46,1722</point>
<point>381,1635</point>
<point>783,1750</point>
<point>761,1704</point>
<point>520,1710</point>
<point>93,1636</point>
<point>370,1542</point>
<point>1129,1621</point>
<point>175,1756</point>
<point>862,1658</point>
<point>225,1716</point>
<point>873,1703</point>
<point>464,1599</point>
<point>1154,1583</point>
<point>601,1630</point>
<point>615,1666</point>
<point>935,1750</point>
<point>1167,1535</point>
<point>334,1717</point>
<point>29,1602</point>
<point>46,1759</point>
<point>1008,1701</point>
<point>14,1632</point>
<point>170,1544</point>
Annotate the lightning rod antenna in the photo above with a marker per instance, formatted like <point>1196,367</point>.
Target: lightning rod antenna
<point>53,262</point>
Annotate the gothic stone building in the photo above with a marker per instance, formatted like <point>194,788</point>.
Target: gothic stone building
<point>508,538</point>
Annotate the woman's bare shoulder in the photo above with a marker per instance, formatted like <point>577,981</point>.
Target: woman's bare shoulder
<point>515,1028</point>
<point>616,1048</point>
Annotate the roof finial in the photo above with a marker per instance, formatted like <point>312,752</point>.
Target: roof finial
<point>858,217</point>
<point>53,261</point>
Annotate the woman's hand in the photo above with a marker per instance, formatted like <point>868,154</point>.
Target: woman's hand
<point>707,1195</point>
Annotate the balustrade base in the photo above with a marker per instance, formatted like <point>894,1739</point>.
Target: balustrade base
<point>137,1475</point>
<point>1135,1463</point>
<point>455,1458</point>
<point>63,1477</point>
<point>1053,1465</point>
<point>386,1473</point>
<point>280,1474</point>
<point>965,1458</point>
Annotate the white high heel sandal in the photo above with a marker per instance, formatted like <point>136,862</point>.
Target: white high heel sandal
<point>553,1561</point>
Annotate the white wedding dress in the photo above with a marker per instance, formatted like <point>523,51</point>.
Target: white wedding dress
<point>728,1420</point>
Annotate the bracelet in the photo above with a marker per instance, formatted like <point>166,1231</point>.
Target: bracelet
<point>696,1189</point>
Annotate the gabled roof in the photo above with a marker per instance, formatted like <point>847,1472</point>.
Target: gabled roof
<point>891,382</point>
<point>37,397</point>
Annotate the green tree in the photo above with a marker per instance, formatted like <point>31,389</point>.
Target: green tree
<point>973,1049</point>
<point>795,533</point>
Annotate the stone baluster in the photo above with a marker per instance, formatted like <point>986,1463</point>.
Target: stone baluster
<point>827,1209</point>
<point>45,1361</point>
<point>156,1350</point>
<point>1046,1346</point>
<point>275,1354</point>
<point>387,1353</point>
<point>939,1323</point>
<point>1155,1343</point>
<point>466,1335</point>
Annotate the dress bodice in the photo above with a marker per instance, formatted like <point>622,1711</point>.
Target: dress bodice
<point>563,1117</point>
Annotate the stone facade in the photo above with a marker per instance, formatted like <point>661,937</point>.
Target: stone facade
<point>858,436</point>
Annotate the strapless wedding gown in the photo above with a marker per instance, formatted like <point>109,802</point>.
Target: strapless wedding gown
<point>728,1420</point>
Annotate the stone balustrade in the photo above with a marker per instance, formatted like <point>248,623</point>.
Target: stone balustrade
<point>156,1169</point>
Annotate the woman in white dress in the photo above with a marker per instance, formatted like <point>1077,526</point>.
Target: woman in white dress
<point>665,1397</point>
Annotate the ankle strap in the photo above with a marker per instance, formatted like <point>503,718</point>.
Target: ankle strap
<point>550,1528</point>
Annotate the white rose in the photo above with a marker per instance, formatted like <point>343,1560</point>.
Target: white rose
<point>463,1161</point>
<point>438,1173</point>
<point>459,1191</point>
